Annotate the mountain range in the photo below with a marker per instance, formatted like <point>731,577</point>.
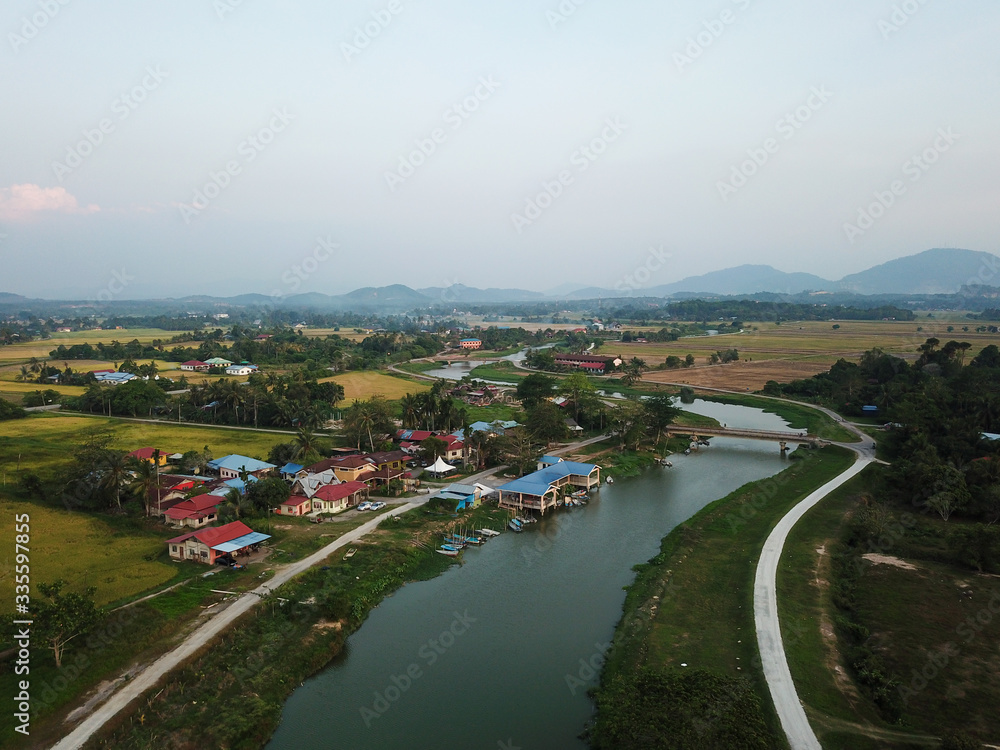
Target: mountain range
<point>936,271</point>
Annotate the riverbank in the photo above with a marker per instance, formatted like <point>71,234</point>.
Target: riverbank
<point>799,417</point>
<point>684,662</point>
<point>232,694</point>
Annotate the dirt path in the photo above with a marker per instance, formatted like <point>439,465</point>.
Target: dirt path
<point>203,635</point>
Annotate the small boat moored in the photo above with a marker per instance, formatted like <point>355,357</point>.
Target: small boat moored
<point>487,532</point>
<point>448,552</point>
<point>610,480</point>
<point>350,553</point>
<point>515,525</point>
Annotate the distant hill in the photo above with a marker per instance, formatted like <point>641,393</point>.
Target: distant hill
<point>6,298</point>
<point>746,279</point>
<point>456,293</point>
<point>937,271</point>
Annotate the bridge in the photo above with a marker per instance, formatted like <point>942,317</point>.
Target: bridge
<point>782,438</point>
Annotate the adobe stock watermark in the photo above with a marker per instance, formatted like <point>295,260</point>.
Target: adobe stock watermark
<point>562,12</point>
<point>116,286</point>
<point>786,127</point>
<point>31,26</point>
<point>900,16</point>
<point>429,653</point>
<point>249,149</point>
<point>656,259</point>
<point>455,117</point>
<point>224,7</point>
<point>713,28</point>
<point>123,106</point>
<point>582,158</point>
<point>365,34</point>
<point>915,168</point>
<point>589,669</point>
<point>293,278</point>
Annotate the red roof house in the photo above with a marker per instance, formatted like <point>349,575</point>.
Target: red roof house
<point>195,512</point>
<point>201,545</point>
<point>334,498</point>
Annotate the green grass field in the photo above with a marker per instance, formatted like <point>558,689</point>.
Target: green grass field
<point>40,349</point>
<point>693,603</point>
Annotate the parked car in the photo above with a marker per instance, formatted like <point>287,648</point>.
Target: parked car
<point>377,506</point>
<point>365,506</point>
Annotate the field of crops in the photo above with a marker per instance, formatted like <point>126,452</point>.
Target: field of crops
<point>365,384</point>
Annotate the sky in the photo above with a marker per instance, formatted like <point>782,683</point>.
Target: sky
<point>175,147</point>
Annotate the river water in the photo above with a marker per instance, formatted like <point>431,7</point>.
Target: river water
<point>499,650</point>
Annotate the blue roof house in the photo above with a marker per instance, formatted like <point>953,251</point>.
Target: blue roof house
<point>230,467</point>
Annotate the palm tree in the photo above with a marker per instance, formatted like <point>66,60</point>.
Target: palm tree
<point>145,480</point>
<point>410,404</point>
<point>305,442</point>
<point>24,374</point>
<point>116,473</point>
<point>35,365</point>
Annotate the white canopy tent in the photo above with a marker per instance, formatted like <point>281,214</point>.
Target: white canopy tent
<point>440,467</point>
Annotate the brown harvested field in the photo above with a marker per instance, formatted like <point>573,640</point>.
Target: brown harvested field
<point>795,350</point>
<point>740,376</point>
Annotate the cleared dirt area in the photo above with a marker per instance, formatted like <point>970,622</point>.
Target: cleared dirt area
<point>740,376</point>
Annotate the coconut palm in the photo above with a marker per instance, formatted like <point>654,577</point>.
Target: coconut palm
<point>144,481</point>
<point>116,472</point>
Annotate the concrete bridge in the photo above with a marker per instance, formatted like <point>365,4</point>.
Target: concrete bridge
<point>782,438</point>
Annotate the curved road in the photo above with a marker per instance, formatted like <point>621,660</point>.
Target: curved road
<point>765,602</point>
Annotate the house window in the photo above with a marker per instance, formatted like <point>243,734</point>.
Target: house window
<point>173,547</point>
<point>204,554</point>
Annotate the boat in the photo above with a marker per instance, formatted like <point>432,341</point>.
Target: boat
<point>487,532</point>
<point>515,525</point>
<point>473,540</point>
<point>350,553</point>
<point>454,539</point>
<point>448,552</point>
<point>610,480</point>
<point>451,548</point>
<point>579,495</point>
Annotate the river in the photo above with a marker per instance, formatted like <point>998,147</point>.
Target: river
<point>497,652</point>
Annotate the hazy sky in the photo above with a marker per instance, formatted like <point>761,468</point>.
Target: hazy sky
<point>526,143</point>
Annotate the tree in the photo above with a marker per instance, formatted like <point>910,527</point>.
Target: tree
<point>59,618</point>
<point>432,447</point>
<point>632,371</point>
<point>368,420</point>
<point>579,390</point>
<point>266,494</point>
<point>306,446</point>
<point>627,424</point>
<point>689,360</point>
<point>660,413</point>
<point>534,388</point>
<point>115,468</point>
<point>546,422</point>
<point>145,480</point>
<point>410,406</point>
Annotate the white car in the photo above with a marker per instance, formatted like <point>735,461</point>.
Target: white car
<point>376,506</point>
<point>365,506</point>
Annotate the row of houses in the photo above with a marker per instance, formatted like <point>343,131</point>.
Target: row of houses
<point>231,368</point>
<point>588,362</point>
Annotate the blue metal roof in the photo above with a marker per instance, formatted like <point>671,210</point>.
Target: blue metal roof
<point>239,463</point>
<point>291,468</point>
<point>241,541</point>
<point>539,482</point>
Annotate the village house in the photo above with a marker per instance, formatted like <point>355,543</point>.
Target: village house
<point>588,362</point>
<point>540,489</point>
<point>470,344</point>
<point>465,496</point>
<point>335,498</point>
<point>196,512</point>
<point>150,455</point>
<point>218,362</point>
<point>296,505</point>
<point>230,467</point>
<point>241,369</point>
<point>171,491</point>
<point>208,545</point>
<point>346,469</point>
<point>195,365</point>
<point>309,483</point>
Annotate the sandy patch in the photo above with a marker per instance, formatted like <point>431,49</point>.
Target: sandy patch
<point>889,560</point>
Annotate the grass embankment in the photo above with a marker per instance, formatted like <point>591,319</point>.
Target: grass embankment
<point>693,604</point>
<point>232,695</point>
<point>799,417</point>
<point>504,372</point>
<point>893,653</point>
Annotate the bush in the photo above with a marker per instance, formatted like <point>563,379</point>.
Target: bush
<point>11,411</point>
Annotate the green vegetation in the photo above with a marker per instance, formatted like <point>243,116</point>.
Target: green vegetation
<point>693,604</point>
<point>505,372</point>
<point>244,679</point>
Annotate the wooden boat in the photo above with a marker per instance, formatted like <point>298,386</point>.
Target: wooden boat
<point>473,540</point>
<point>610,480</point>
<point>451,548</point>
<point>448,552</point>
<point>515,525</point>
<point>350,553</point>
<point>487,532</point>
